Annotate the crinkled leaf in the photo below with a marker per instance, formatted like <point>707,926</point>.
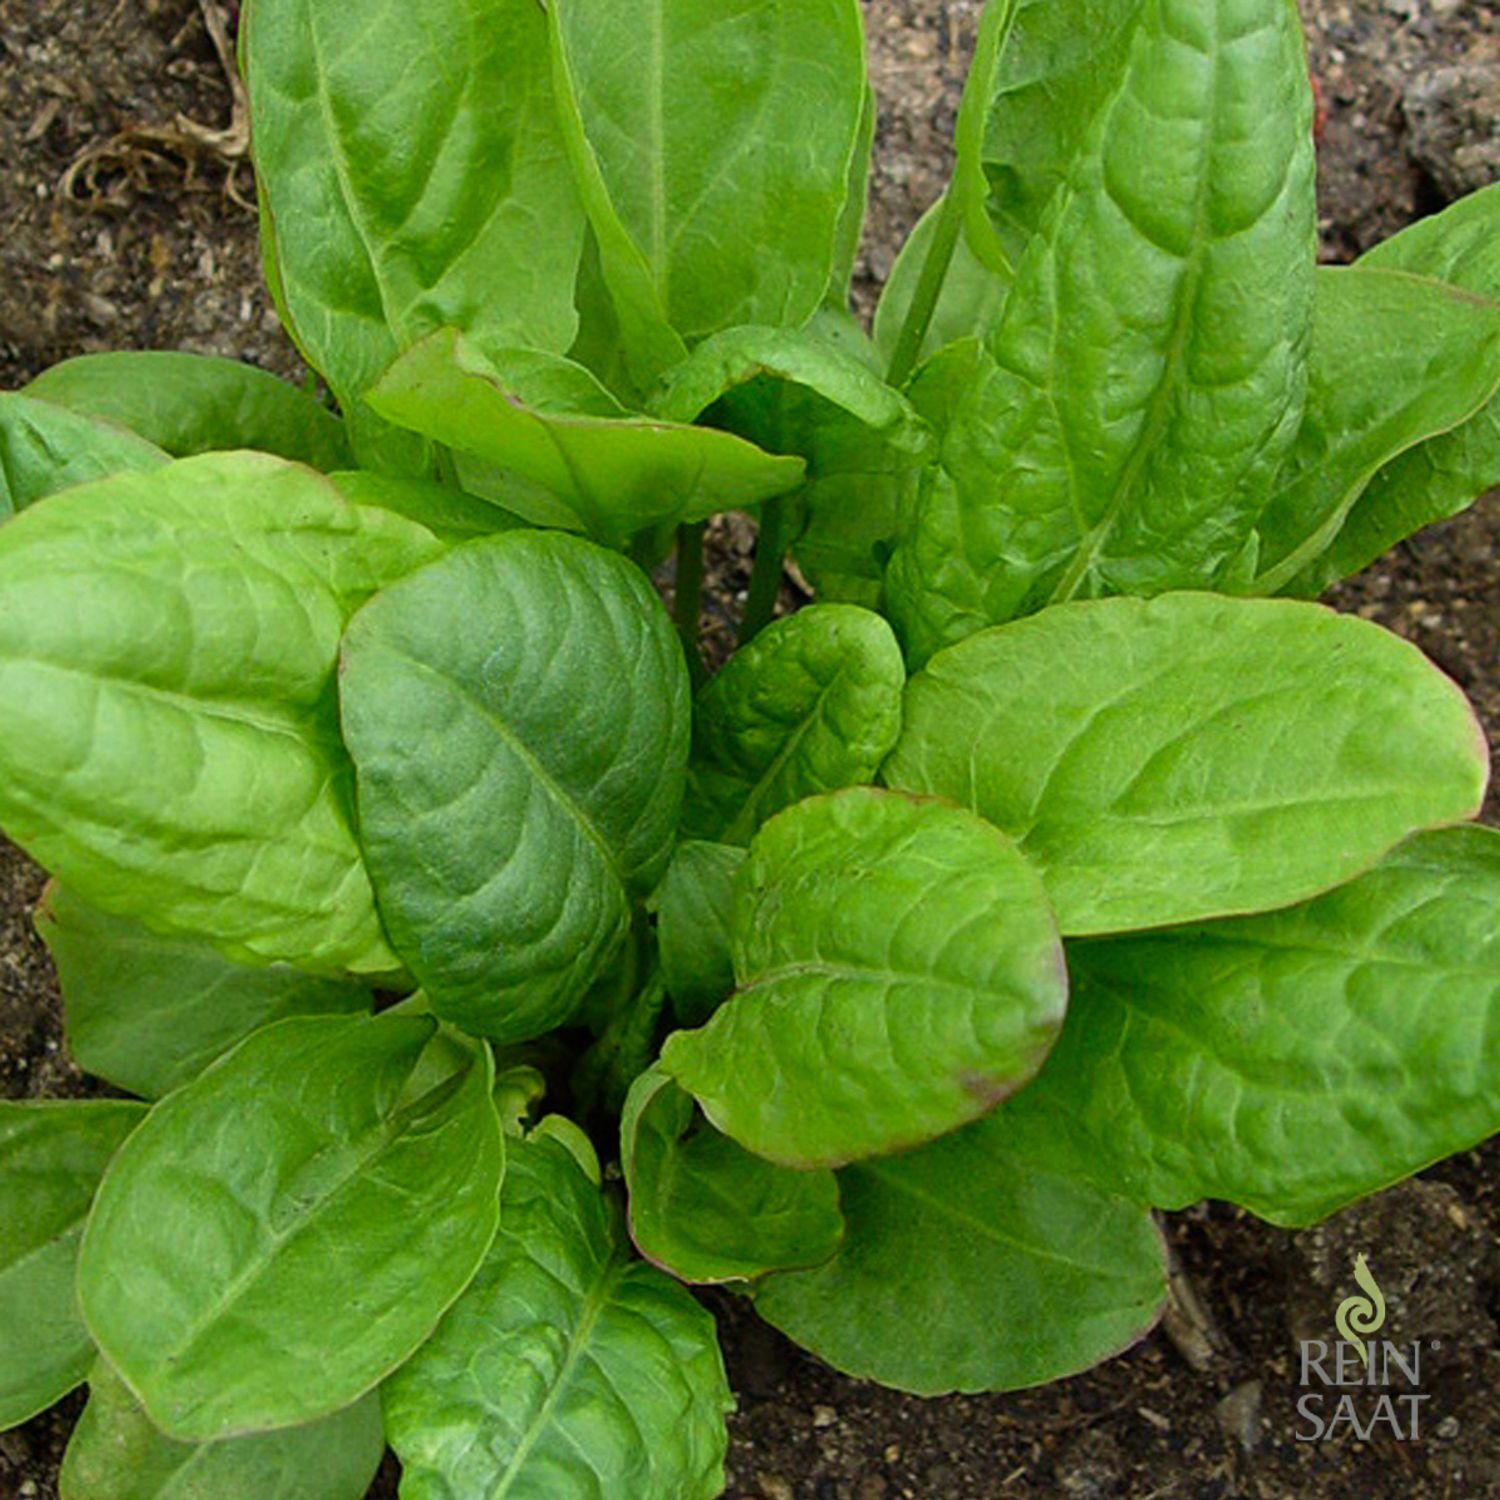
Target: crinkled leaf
<point>969,1266</point>
<point>197,403</point>
<point>899,973</point>
<point>1148,372</point>
<point>116,1454</point>
<point>1296,1061</point>
<point>1192,756</point>
<point>693,908</point>
<point>172,749</point>
<point>285,1230</point>
<point>45,448</point>
<point>704,1208</point>
<point>598,468</point>
<point>148,1013</point>
<point>452,515</point>
<point>567,1368</point>
<point>52,1156</point>
<point>812,704</point>
<point>518,714</point>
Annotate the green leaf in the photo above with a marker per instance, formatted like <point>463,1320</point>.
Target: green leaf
<point>148,1013</point>
<point>693,906</point>
<point>451,515</point>
<point>967,1266</point>
<point>567,1368</point>
<point>1395,359</point>
<point>812,704</point>
<point>1148,372</point>
<point>172,748</point>
<point>285,1230</point>
<point>518,714</point>
<point>116,1454</point>
<point>45,448</point>
<point>197,403</point>
<point>899,974</point>
<point>851,226</point>
<point>706,218</point>
<point>1461,246</point>
<point>625,1047</point>
<point>1197,756</point>
<point>704,1208</point>
<point>412,175</point>
<point>1296,1061</point>
<point>52,1156</point>
<point>598,468</point>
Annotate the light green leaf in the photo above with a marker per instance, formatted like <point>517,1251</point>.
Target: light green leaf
<point>518,714</point>
<point>567,1368</point>
<point>1148,372</point>
<point>148,1013</point>
<point>172,748</point>
<point>851,227</point>
<point>412,175</point>
<point>116,1454</point>
<point>899,974</point>
<point>452,515</point>
<point>1192,756</point>
<point>1297,1061</point>
<point>285,1230</point>
<point>197,403</point>
<point>52,1156</point>
<point>812,704</point>
<point>715,148</point>
<point>967,1266</point>
<point>693,908</point>
<point>599,469</point>
<point>1395,359</point>
<point>704,1208</point>
<point>45,448</point>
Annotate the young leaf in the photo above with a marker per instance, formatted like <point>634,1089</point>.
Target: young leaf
<point>693,908</point>
<point>1148,372</point>
<point>1296,1061</point>
<point>52,1156</point>
<point>851,227</point>
<point>116,1454</point>
<point>45,448</point>
<point>967,1266</point>
<point>1198,756</point>
<point>598,468</point>
<point>285,1230</point>
<point>196,403</point>
<point>899,974</point>
<point>567,1368</point>
<point>704,1208</point>
<point>451,515</point>
<point>172,747</point>
<point>812,704</point>
<point>148,1013</point>
<point>412,175</point>
<point>518,716</point>
<point>1395,359</point>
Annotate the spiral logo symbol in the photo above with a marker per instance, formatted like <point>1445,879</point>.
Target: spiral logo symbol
<point>1359,1316</point>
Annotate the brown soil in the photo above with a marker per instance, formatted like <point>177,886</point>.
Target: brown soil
<point>156,252</point>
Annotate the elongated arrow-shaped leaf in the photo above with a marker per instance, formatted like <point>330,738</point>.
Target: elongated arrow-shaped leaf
<point>969,1266</point>
<point>597,468</point>
<point>812,704</point>
<point>899,973</point>
<point>172,748</point>
<point>567,1368</point>
<point>52,1156</point>
<point>196,403</point>
<point>286,1229</point>
<point>116,1454</point>
<point>704,1208</point>
<point>148,1013</point>
<point>693,907</point>
<point>1148,372</point>
<point>45,448</point>
<point>1192,756</point>
<point>1297,1061</point>
<point>518,714</point>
